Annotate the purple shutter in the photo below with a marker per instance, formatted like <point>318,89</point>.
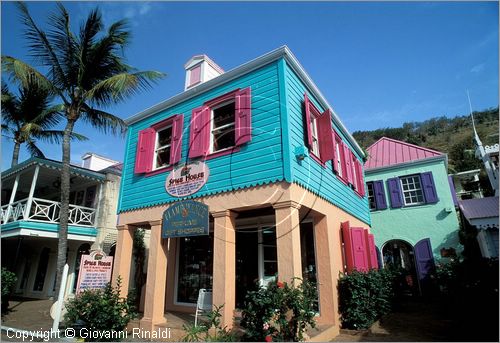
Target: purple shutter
<point>243,118</point>
<point>145,151</point>
<point>307,119</point>
<point>452,189</point>
<point>424,260</point>
<point>395,192</point>
<point>379,193</point>
<point>176,145</point>
<point>429,188</point>
<point>325,137</point>
<point>199,134</point>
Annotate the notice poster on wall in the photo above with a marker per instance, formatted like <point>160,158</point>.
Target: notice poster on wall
<point>95,271</point>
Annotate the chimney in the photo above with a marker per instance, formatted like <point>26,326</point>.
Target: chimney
<point>199,69</point>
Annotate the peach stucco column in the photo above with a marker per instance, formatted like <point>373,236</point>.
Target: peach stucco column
<point>323,241</point>
<point>288,240</point>
<point>123,257</point>
<point>224,270</point>
<point>154,300</point>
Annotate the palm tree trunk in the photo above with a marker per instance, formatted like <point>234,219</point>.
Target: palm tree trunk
<point>64,212</point>
<point>15,154</point>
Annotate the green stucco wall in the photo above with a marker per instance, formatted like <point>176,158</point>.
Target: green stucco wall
<point>414,223</point>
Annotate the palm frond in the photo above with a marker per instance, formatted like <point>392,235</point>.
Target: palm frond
<point>106,122</point>
<point>25,75</point>
<point>119,87</point>
<point>40,47</point>
<point>56,136</point>
<point>50,116</point>
<point>34,150</point>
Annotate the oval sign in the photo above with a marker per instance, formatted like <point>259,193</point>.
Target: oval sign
<point>187,179</point>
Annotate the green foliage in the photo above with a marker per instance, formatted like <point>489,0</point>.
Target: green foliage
<point>101,309</point>
<point>8,281</point>
<point>364,297</point>
<point>211,331</point>
<point>279,312</point>
<point>448,135</point>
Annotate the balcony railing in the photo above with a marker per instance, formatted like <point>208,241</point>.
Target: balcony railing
<point>47,211</point>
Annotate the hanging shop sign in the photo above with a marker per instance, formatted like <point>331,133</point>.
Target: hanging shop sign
<point>187,179</point>
<point>185,219</point>
<point>95,271</point>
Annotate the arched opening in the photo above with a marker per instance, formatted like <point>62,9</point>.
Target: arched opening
<point>399,254</point>
<point>84,249</point>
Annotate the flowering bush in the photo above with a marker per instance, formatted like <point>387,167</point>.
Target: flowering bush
<point>279,312</point>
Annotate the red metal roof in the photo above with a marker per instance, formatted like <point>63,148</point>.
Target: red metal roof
<point>387,151</point>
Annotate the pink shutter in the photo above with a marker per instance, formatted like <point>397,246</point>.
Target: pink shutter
<point>354,171</point>
<point>199,135</point>
<point>307,119</point>
<point>361,179</point>
<point>145,151</point>
<point>347,163</point>
<point>176,145</point>
<point>348,253</point>
<point>372,250</point>
<point>335,142</point>
<point>326,146</point>
<point>195,75</point>
<point>243,117</point>
<point>359,249</point>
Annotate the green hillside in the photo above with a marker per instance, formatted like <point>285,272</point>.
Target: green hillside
<point>449,135</point>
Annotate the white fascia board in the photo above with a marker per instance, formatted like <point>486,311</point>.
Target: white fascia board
<point>45,234</point>
<point>245,68</point>
<point>443,157</point>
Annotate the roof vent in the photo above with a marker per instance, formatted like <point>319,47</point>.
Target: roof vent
<point>199,69</point>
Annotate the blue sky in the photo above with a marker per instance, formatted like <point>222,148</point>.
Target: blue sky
<point>379,64</point>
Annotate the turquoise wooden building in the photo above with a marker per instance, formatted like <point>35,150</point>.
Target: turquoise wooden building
<point>280,174</point>
<point>414,220</point>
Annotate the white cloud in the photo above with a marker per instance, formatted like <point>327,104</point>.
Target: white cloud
<point>477,68</point>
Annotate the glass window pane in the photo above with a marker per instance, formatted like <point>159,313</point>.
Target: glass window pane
<point>195,267</point>
<point>164,137</point>
<point>224,115</point>
<point>224,138</point>
<point>269,236</point>
<point>163,157</point>
<point>270,253</point>
<point>270,268</point>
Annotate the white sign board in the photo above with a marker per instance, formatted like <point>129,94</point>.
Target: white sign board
<point>95,271</point>
<point>186,180</point>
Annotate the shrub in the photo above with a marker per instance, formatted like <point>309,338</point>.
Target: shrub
<point>100,309</point>
<point>9,279</point>
<point>279,312</point>
<point>364,297</point>
<point>204,332</point>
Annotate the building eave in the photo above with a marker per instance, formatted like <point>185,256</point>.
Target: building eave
<point>274,55</point>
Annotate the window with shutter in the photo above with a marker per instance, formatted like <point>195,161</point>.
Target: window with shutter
<point>347,164</point>
<point>318,130</point>
<point>221,124</point>
<point>339,156</point>
<point>395,192</point>
<point>160,146</point>
<point>355,248</point>
<point>412,190</point>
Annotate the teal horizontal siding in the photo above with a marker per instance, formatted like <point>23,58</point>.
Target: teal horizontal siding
<point>49,227</point>
<point>309,173</point>
<point>256,163</point>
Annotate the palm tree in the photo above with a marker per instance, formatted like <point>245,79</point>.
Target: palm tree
<point>27,118</point>
<point>87,72</point>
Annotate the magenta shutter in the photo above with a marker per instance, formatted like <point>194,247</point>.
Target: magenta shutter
<point>243,118</point>
<point>176,145</point>
<point>361,182</point>
<point>325,137</point>
<point>348,253</point>
<point>145,151</point>
<point>307,119</point>
<point>348,164</point>
<point>359,249</point>
<point>429,188</point>
<point>199,135</point>
<point>372,251</point>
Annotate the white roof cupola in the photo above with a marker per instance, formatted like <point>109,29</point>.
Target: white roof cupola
<point>199,69</point>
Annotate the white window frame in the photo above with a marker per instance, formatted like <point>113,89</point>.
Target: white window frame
<point>339,159</point>
<point>412,191</point>
<point>371,195</point>
<point>212,129</point>
<point>314,135</point>
<point>157,148</point>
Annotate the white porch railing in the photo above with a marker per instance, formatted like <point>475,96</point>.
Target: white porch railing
<point>47,211</point>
